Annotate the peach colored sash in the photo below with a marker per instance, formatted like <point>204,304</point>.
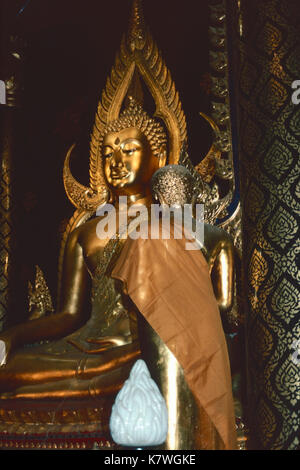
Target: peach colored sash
<point>171,287</point>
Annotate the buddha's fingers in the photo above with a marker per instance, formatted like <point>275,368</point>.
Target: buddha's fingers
<point>113,340</point>
<point>3,353</point>
<point>104,343</point>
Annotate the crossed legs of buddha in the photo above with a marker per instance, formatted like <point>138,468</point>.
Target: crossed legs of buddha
<point>34,374</point>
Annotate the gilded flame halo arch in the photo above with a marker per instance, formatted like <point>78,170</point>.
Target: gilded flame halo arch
<point>138,52</point>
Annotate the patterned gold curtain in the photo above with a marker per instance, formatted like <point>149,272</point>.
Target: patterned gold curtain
<point>269,152</point>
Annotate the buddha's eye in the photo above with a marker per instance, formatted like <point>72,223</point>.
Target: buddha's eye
<point>108,155</point>
<point>129,151</point>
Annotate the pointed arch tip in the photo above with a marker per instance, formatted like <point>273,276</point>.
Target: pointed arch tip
<point>137,13</point>
<point>138,52</point>
<point>136,35</point>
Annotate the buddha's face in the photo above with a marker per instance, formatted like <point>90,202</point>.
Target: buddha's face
<point>128,162</point>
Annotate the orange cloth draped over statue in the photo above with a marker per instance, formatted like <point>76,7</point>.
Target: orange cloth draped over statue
<point>171,287</point>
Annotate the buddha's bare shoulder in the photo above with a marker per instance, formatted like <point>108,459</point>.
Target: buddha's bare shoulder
<point>86,236</point>
<point>87,229</point>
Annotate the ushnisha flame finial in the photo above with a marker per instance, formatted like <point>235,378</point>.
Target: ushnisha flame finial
<point>138,55</point>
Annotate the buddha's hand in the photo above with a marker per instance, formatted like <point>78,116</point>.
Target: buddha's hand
<point>4,350</point>
<point>110,341</point>
<point>6,346</point>
<point>102,344</point>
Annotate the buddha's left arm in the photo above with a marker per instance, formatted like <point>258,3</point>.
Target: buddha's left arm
<point>222,276</point>
<point>70,316</point>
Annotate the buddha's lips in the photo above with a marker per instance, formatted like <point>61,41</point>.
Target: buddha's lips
<point>117,175</point>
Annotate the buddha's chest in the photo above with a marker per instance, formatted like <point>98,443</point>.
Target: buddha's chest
<point>93,251</point>
<point>93,245</point>
<point>98,239</point>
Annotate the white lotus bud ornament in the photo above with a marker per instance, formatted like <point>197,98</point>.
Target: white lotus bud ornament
<point>139,415</point>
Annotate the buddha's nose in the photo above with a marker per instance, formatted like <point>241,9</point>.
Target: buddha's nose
<point>116,160</point>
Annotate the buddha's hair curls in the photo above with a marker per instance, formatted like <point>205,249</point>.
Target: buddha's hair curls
<point>135,116</point>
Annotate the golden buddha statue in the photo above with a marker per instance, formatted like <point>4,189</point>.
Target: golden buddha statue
<point>133,148</point>
<point>87,355</point>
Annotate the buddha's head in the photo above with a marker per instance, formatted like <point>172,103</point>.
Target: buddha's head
<point>133,148</point>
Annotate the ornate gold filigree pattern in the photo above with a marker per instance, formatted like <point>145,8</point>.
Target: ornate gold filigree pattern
<point>40,301</point>
<point>218,164</point>
<point>258,269</point>
<point>63,428</point>
<point>80,196</point>
<point>270,176</point>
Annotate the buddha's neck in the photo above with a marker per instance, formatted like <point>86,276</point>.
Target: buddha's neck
<point>144,199</point>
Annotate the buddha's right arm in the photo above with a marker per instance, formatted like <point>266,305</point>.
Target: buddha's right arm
<point>75,283</point>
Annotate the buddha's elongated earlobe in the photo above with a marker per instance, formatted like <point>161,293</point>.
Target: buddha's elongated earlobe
<point>162,157</point>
